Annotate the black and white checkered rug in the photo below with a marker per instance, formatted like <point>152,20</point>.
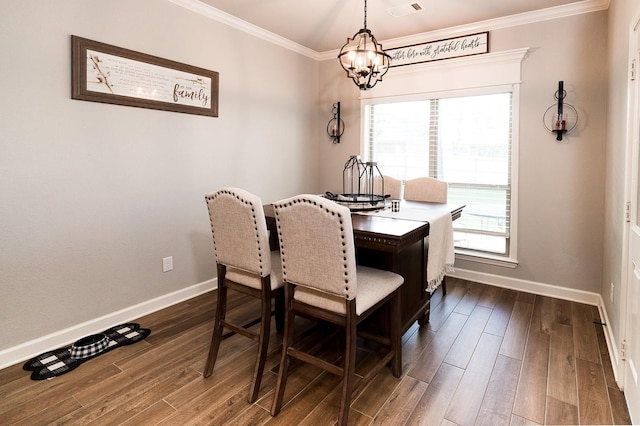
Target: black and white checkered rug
<point>60,361</point>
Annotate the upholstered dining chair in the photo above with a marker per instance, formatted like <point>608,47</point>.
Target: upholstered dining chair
<point>246,264</point>
<point>428,190</point>
<point>322,281</point>
<point>392,187</point>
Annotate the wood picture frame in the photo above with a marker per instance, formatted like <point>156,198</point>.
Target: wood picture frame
<point>104,73</point>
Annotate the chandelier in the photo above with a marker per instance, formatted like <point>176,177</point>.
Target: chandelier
<point>363,59</point>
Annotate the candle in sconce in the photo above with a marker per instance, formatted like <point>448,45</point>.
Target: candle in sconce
<point>561,123</point>
<point>335,127</point>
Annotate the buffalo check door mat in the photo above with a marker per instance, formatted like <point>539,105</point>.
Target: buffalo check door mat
<point>60,361</point>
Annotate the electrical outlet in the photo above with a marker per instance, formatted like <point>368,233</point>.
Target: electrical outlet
<point>611,294</point>
<point>167,264</point>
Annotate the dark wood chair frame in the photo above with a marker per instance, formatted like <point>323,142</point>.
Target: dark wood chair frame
<point>265,294</point>
<point>350,322</point>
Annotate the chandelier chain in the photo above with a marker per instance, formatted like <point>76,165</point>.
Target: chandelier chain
<point>365,14</point>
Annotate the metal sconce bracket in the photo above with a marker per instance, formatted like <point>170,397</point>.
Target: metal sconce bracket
<point>565,118</point>
<point>335,127</point>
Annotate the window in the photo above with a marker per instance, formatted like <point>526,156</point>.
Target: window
<point>464,138</point>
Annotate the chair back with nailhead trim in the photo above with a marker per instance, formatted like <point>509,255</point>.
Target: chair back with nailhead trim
<point>240,235</point>
<point>312,236</point>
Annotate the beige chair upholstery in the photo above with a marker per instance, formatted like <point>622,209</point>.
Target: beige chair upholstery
<point>426,189</point>
<point>245,263</point>
<point>323,281</point>
<point>392,187</point>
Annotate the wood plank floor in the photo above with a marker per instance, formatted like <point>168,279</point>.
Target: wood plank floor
<point>489,356</point>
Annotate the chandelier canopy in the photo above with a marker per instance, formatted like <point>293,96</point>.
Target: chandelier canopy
<point>363,59</point>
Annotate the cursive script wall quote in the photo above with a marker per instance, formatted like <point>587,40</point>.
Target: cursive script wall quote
<point>473,44</point>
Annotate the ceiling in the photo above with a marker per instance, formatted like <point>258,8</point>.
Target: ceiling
<point>324,25</point>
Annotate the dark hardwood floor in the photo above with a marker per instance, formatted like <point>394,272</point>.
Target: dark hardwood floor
<point>489,356</point>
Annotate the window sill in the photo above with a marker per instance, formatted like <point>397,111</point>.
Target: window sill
<point>505,262</point>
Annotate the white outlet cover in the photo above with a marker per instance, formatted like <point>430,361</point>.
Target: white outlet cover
<point>167,264</point>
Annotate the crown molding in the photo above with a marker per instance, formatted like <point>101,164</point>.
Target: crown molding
<point>576,8</point>
<point>237,23</point>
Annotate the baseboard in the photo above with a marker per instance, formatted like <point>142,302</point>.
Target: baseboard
<point>28,350</point>
<point>549,290</point>
<point>64,337</point>
<point>558,292</point>
<point>612,345</point>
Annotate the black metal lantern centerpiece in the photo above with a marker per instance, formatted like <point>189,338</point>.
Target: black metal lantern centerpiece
<point>360,181</point>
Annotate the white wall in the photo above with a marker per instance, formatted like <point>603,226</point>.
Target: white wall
<point>93,196</point>
<point>621,14</point>
<point>561,185</point>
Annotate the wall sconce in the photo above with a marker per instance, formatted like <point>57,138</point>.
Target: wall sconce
<point>562,117</point>
<point>335,127</point>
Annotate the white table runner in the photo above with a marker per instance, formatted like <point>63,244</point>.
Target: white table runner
<point>441,254</point>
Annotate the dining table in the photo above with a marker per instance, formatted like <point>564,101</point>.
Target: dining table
<point>394,241</point>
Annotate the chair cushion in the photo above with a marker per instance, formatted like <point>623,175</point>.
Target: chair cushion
<point>249,279</point>
<point>373,286</point>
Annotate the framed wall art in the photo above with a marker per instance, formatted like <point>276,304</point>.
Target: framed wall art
<point>104,73</point>
<point>472,44</point>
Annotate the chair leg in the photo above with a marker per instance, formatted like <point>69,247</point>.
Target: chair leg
<point>349,370</point>
<point>216,336</point>
<point>395,335</point>
<point>285,360</point>
<point>263,347</point>
<point>444,286</point>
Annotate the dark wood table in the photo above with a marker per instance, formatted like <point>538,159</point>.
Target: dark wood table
<point>395,245</point>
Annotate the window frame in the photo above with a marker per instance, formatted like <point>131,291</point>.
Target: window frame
<point>506,260</point>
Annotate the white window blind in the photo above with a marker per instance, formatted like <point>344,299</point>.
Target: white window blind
<point>464,140</point>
